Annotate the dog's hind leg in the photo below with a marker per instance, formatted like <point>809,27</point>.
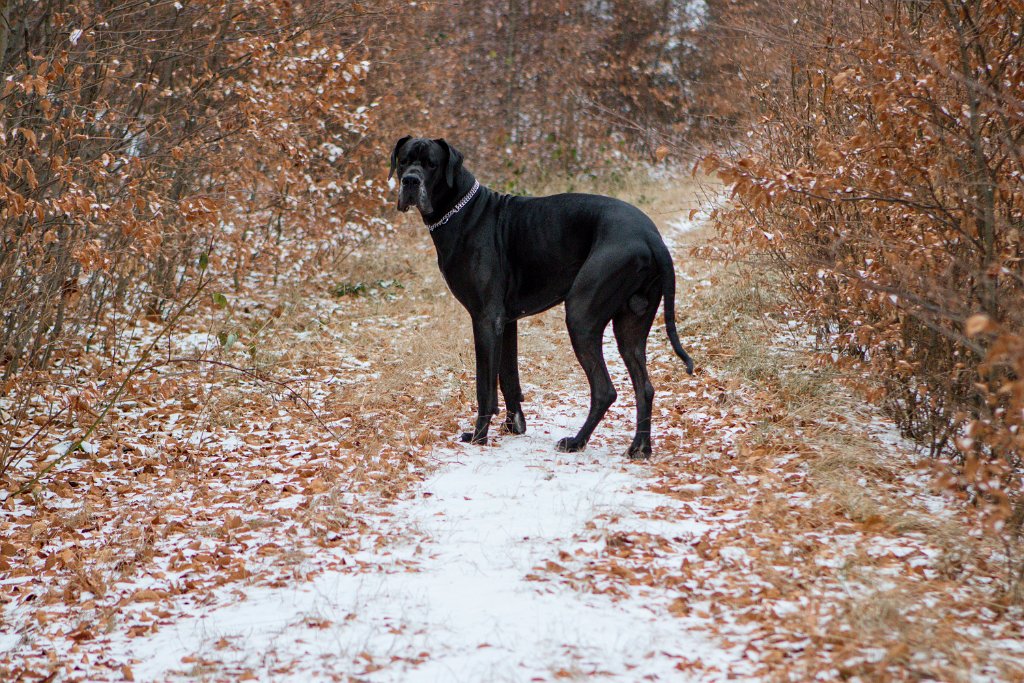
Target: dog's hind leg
<point>587,345</point>
<point>586,323</point>
<point>632,325</point>
<point>508,378</point>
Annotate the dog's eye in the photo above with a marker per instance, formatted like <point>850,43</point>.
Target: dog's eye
<point>431,163</point>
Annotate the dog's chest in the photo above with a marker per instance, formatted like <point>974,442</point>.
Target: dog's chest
<point>469,279</point>
<point>474,272</point>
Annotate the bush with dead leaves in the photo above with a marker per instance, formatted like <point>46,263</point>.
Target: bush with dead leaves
<point>886,179</point>
<point>147,149</point>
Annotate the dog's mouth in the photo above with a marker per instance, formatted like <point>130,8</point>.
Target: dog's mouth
<point>414,195</point>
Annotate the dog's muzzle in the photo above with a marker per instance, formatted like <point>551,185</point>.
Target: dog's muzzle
<point>413,192</point>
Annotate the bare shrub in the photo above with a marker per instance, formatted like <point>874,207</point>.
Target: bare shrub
<point>532,91</point>
<point>146,144</point>
<point>887,181</point>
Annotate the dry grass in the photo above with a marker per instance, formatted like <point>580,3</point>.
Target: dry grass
<point>411,337</point>
<point>418,344</point>
<point>857,482</point>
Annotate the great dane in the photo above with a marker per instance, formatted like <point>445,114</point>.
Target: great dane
<point>506,257</point>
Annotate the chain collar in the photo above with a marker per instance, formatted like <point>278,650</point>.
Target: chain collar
<point>458,207</point>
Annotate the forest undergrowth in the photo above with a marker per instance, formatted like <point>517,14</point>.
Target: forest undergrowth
<point>219,356</point>
<point>267,462</point>
<point>259,431</point>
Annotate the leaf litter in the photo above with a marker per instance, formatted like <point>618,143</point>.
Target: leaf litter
<point>783,530</point>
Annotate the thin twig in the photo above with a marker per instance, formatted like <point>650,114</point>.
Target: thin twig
<point>258,377</point>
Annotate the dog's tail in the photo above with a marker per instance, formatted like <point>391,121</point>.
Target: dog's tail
<point>668,290</point>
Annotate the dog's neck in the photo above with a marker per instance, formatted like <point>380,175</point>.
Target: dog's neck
<point>447,200</point>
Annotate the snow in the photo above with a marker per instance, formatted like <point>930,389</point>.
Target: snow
<point>686,223</point>
<point>683,224</point>
<point>451,600</point>
<point>453,594</point>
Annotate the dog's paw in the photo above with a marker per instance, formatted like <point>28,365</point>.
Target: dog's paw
<point>638,453</point>
<point>467,437</point>
<point>570,444</point>
<point>515,423</point>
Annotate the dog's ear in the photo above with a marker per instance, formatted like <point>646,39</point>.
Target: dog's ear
<point>454,161</point>
<point>394,154</point>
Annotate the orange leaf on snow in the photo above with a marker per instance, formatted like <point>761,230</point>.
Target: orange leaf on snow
<point>316,486</point>
<point>147,595</point>
<point>680,607</point>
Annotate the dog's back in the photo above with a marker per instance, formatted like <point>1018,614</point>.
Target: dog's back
<point>547,240</point>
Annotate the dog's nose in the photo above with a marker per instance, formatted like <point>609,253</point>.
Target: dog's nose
<point>411,180</point>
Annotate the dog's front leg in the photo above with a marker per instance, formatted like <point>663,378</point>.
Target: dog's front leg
<point>486,338</point>
<point>508,380</point>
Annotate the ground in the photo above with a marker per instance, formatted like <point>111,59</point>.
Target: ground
<point>297,506</point>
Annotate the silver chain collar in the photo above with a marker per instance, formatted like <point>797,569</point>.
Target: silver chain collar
<point>458,207</point>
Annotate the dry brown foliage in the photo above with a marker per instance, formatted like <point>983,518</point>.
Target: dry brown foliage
<point>543,89</point>
<point>150,149</point>
<point>886,179</point>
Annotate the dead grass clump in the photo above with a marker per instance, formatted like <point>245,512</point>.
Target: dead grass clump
<point>843,474</point>
<point>77,518</point>
<point>902,629</point>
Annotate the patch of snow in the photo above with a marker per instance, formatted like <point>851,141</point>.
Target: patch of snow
<point>451,601</point>
<point>685,223</point>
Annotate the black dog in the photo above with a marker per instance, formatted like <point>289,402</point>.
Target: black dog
<point>506,257</point>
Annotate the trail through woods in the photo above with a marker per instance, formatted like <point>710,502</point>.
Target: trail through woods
<point>782,528</point>
<point>459,593</point>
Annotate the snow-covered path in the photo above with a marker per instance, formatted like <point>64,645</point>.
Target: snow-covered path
<point>466,587</point>
<point>783,531</point>
<point>453,599</point>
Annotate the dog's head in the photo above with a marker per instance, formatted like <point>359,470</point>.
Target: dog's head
<point>426,169</point>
